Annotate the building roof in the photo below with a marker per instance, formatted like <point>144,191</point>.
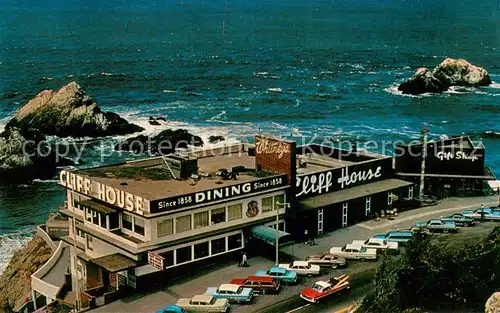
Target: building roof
<point>114,262</point>
<point>353,193</point>
<point>229,287</point>
<point>202,298</point>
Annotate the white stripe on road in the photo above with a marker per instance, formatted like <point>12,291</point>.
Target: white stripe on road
<point>408,218</point>
<point>299,308</point>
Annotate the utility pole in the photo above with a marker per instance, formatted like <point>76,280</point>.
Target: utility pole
<point>422,171</point>
<point>285,206</point>
<point>75,257</point>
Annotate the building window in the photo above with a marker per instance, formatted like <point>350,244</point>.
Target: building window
<point>389,198</point>
<point>79,270</point>
<point>80,233</point>
<point>200,219</point>
<point>234,211</point>
<point>90,242</point>
<point>139,226</point>
<point>169,258</point>
<point>368,206</point>
<point>182,223</point>
<point>267,204</point>
<point>113,221</point>
<point>184,255</point>
<point>127,221</point>
<point>281,200</point>
<point>88,215</point>
<point>95,217</point>
<point>201,250</point>
<point>164,228</point>
<point>218,215</point>
<point>218,245</point>
<point>234,242</point>
<point>410,192</point>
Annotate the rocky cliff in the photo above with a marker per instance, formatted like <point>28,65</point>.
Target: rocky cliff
<point>451,72</point>
<point>15,282</point>
<point>69,112</point>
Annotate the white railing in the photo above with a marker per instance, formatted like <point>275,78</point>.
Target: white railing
<point>38,284</point>
<point>43,234</point>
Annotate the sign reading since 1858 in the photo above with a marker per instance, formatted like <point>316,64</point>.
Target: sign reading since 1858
<point>216,194</point>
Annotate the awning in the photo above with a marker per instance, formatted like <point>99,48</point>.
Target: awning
<point>114,262</point>
<point>96,206</point>
<point>353,193</point>
<point>268,235</point>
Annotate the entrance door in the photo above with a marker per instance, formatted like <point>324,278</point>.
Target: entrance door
<point>320,221</point>
<point>344,214</point>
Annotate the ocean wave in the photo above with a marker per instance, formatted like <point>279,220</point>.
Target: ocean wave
<point>494,85</point>
<point>394,90</point>
<point>11,242</point>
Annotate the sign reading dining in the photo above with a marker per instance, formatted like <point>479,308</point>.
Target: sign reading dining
<point>217,194</point>
<point>340,178</point>
<point>113,196</point>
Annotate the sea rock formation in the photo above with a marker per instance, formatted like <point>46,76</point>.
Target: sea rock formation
<point>493,304</point>
<point>451,72</point>
<point>421,82</point>
<point>23,159</point>
<point>215,139</point>
<point>164,143</point>
<point>69,112</point>
<point>15,281</point>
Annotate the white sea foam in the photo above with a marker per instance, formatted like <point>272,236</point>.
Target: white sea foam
<point>11,242</point>
<point>495,85</point>
<point>394,90</point>
<point>41,181</point>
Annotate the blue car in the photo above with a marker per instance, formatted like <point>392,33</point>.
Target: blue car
<point>280,274</point>
<point>400,236</point>
<point>171,309</point>
<point>490,214</point>
<point>231,292</point>
<point>459,219</point>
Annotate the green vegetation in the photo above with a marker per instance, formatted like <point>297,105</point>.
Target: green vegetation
<point>452,274</point>
<point>130,172</point>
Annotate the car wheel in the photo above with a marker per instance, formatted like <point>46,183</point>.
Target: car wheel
<point>334,266</point>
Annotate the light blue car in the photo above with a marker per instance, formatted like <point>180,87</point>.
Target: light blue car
<point>231,292</point>
<point>279,273</point>
<point>171,309</point>
<point>400,236</point>
<point>490,214</point>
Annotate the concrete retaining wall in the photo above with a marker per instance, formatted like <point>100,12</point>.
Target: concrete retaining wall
<point>40,231</point>
<point>42,287</point>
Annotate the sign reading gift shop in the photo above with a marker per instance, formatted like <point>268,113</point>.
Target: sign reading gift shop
<point>341,178</point>
<point>275,155</point>
<point>113,196</point>
<point>217,194</point>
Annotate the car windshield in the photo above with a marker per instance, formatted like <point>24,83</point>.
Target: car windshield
<point>384,242</point>
<point>363,249</point>
<point>240,290</point>
<point>317,287</point>
<point>212,301</point>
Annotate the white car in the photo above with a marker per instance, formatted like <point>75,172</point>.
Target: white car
<point>302,268</point>
<point>377,243</point>
<point>355,252</point>
<point>204,303</point>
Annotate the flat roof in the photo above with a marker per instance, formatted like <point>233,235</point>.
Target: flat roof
<point>315,162</point>
<point>114,262</point>
<point>152,180</point>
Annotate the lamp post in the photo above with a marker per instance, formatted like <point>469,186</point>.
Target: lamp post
<point>285,206</point>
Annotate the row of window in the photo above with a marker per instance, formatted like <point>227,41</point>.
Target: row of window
<point>211,217</point>
<point>202,250</point>
<point>133,223</point>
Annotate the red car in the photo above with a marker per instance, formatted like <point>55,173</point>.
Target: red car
<point>259,284</point>
<point>322,289</point>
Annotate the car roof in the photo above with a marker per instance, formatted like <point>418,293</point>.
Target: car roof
<point>300,263</point>
<point>350,246</point>
<point>202,298</point>
<point>400,232</point>
<point>434,220</point>
<point>376,239</point>
<point>322,283</point>
<point>265,279</point>
<point>229,287</point>
<point>278,269</point>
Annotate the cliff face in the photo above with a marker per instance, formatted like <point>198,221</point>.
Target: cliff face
<point>15,282</point>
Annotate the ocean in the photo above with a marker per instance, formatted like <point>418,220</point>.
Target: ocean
<point>310,69</point>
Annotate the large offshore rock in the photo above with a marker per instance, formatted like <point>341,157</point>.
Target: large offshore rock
<point>69,112</point>
<point>459,72</point>
<point>421,82</point>
<point>493,304</point>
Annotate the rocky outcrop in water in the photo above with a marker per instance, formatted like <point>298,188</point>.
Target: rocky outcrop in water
<point>69,112</point>
<point>451,72</point>
<point>15,281</point>
<point>215,139</point>
<point>164,143</point>
<point>24,158</point>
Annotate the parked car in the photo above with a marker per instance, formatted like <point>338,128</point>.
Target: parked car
<point>302,268</point>
<point>354,252</point>
<point>204,303</point>
<point>436,225</point>
<point>322,289</point>
<point>231,292</point>
<point>327,259</point>
<point>400,236</point>
<point>280,274</point>
<point>171,309</point>
<point>376,243</point>
<point>259,284</point>
<point>459,219</point>
<point>490,214</point>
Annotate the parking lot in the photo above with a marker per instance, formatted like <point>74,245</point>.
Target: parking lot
<point>288,299</point>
